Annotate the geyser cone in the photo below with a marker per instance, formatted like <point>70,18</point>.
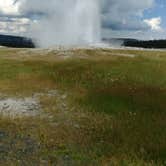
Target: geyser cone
<point>70,22</point>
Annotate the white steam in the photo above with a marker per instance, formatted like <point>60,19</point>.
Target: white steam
<point>64,22</point>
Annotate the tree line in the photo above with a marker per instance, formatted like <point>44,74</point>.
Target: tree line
<point>145,44</point>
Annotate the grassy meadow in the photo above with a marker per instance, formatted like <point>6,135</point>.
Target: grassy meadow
<point>110,109</point>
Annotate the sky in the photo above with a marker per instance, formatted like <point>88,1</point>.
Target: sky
<point>142,19</point>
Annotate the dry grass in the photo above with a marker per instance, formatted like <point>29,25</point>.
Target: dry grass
<point>109,108</point>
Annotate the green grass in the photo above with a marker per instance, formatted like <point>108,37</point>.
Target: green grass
<point>117,114</point>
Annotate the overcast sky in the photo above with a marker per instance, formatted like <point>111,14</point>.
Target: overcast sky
<point>144,19</point>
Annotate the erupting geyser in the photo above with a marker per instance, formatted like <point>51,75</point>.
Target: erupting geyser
<point>69,22</point>
<point>87,21</point>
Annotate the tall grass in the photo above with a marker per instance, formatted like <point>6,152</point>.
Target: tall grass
<point>116,109</point>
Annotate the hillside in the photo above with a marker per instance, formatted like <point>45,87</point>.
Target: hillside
<point>128,42</point>
<point>159,44</point>
<point>16,41</point>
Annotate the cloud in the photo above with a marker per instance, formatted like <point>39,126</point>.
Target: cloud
<point>9,7</point>
<point>118,16</point>
<point>154,23</point>
<point>14,25</point>
<point>11,20</point>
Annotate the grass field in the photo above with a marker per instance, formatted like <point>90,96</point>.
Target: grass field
<point>109,107</point>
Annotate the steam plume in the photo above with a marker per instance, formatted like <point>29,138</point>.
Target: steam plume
<point>64,22</point>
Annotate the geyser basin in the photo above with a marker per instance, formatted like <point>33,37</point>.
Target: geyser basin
<point>69,22</point>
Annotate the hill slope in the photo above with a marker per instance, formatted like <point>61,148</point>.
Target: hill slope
<point>16,41</point>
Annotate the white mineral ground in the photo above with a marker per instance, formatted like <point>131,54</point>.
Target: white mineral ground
<point>30,106</point>
<point>19,107</point>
